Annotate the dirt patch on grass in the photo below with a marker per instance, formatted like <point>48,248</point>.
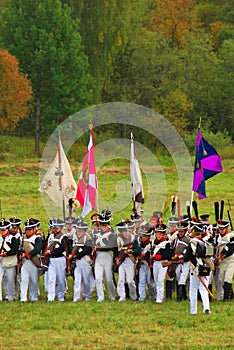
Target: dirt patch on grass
<point>18,169</point>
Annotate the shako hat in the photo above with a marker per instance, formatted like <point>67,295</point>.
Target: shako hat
<point>107,212</point>
<point>205,217</point>
<point>161,228</point>
<point>145,231</point>
<point>69,220</point>
<point>81,225</point>
<point>15,222</point>
<point>222,224</point>
<point>182,226</point>
<point>197,226</point>
<point>130,223</point>
<point>157,214</point>
<point>4,225</point>
<point>56,222</point>
<point>135,217</point>
<point>31,223</point>
<point>122,226</point>
<point>104,219</point>
<point>173,221</point>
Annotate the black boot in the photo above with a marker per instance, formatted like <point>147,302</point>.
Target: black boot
<point>169,289</point>
<point>210,288</point>
<point>127,290</point>
<point>184,292</point>
<point>180,292</point>
<point>227,288</point>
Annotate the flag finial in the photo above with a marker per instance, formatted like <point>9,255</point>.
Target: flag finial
<point>199,125</point>
<point>90,125</point>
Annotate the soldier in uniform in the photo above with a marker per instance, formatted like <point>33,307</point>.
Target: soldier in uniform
<point>172,235</point>
<point>31,248</point>
<point>181,269</point>
<point>225,257</point>
<point>81,254</point>
<point>58,250</point>
<point>8,253</point>
<point>128,250</point>
<point>16,231</point>
<point>199,272</point>
<point>70,229</point>
<point>136,221</point>
<point>145,267</point>
<point>104,251</point>
<point>161,253</point>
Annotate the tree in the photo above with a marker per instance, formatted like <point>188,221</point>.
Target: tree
<point>217,17</point>
<point>15,92</point>
<point>105,27</point>
<point>46,40</point>
<point>172,18</point>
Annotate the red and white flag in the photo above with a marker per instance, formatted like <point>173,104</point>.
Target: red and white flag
<point>87,184</point>
<point>136,180</point>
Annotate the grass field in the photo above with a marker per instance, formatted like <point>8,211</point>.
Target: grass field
<point>113,325</point>
<point>108,325</point>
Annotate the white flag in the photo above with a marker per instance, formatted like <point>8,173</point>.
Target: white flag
<point>58,182</point>
<point>136,180</point>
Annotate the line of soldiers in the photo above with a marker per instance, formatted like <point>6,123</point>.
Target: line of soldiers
<point>188,254</point>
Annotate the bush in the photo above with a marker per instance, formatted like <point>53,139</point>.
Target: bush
<point>220,141</point>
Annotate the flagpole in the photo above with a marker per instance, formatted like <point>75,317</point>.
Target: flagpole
<point>133,201</point>
<point>60,173</point>
<point>192,194</point>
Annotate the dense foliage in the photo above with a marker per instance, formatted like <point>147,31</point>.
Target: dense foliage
<point>16,95</point>
<point>173,56</point>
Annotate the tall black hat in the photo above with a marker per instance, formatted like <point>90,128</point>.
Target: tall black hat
<point>15,222</point>
<point>4,225</point>
<point>30,223</point>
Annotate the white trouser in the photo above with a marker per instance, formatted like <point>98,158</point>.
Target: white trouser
<point>10,277</point>
<point>29,278</point>
<point>159,278</point>
<point>1,278</point>
<point>218,284</point>
<point>195,285</point>
<point>56,274</point>
<point>226,268</point>
<point>126,274</point>
<point>182,273</point>
<point>145,280</point>
<point>103,267</point>
<point>82,274</point>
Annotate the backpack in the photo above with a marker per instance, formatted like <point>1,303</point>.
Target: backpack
<point>200,250</point>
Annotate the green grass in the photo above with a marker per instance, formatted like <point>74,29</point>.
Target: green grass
<point>113,325</point>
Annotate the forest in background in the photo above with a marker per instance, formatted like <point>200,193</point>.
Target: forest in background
<point>175,57</point>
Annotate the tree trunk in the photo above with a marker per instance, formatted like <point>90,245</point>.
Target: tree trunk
<point>37,128</point>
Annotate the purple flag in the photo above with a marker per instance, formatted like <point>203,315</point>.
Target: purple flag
<point>207,164</point>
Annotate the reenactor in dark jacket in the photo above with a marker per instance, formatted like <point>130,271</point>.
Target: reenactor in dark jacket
<point>161,253</point>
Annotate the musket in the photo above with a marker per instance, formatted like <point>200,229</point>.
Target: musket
<point>170,263</point>
<point>121,259</point>
<point>221,209</point>
<point>195,208</point>
<point>216,206</point>
<point>229,215</point>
